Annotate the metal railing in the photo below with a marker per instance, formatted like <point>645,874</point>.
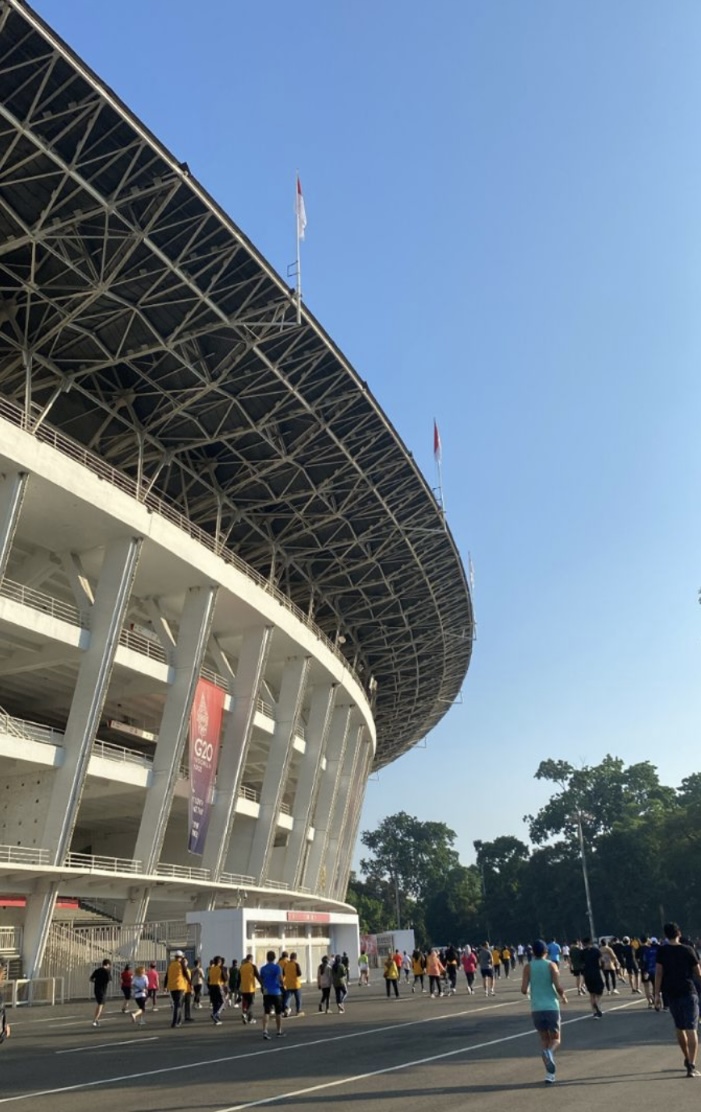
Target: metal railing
<point>47,604</point>
<point>280,885</point>
<point>238,879</point>
<point>142,493</point>
<point>10,940</point>
<point>23,855</point>
<point>95,863</point>
<point>27,730</point>
<point>144,645</point>
<point>249,793</point>
<point>119,753</point>
<point>183,872</point>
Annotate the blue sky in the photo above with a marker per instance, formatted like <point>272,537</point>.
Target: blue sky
<point>504,206</point>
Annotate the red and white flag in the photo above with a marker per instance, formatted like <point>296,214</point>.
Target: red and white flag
<point>300,210</point>
<point>437,446</point>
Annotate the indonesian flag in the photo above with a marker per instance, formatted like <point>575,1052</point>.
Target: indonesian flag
<point>437,446</point>
<point>300,210</point>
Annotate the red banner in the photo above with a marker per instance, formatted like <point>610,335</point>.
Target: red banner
<point>308,917</point>
<point>205,728</point>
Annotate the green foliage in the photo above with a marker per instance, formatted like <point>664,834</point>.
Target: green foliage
<point>641,840</point>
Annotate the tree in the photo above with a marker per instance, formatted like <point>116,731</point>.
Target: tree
<point>371,908</point>
<point>411,860</point>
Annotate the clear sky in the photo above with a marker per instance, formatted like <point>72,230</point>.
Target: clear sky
<point>504,231</point>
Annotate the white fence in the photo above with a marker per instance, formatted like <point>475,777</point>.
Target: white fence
<point>73,952</point>
<point>41,990</point>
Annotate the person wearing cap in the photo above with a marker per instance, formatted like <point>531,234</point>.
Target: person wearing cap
<point>176,983</point>
<point>541,976</point>
<point>676,968</point>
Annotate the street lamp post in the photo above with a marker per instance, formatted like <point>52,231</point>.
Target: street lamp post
<point>590,913</point>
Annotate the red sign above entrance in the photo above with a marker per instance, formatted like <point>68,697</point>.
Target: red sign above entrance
<point>308,917</point>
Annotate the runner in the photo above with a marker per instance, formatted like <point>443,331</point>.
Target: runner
<point>647,960</point>
<point>543,980</point>
<point>469,964</point>
<point>197,979</point>
<point>451,968</point>
<point>593,977</point>
<point>576,967</point>
<point>554,951</point>
<point>292,981</point>
<point>406,966</point>
<point>324,982</point>
<point>364,969</point>
<point>391,975</point>
<point>217,982</point>
<point>630,965</point>
<point>271,982</point>
<point>125,985</point>
<point>176,982</point>
<point>339,980</point>
<point>418,965</point>
<point>484,957</point>
<point>139,988</point>
<point>100,979</point>
<point>676,967</point>
<point>506,960</point>
<point>435,970</point>
<point>153,985</point>
<point>248,975</point>
<point>496,961</point>
<point>609,964</point>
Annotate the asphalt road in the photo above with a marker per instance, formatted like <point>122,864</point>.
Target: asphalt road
<point>388,1055</point>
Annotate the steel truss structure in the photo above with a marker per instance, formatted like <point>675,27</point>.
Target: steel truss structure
<point>139,320</point>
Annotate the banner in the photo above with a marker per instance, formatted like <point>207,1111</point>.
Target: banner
<point>205,728</point>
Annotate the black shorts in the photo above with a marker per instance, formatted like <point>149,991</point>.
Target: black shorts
<point>140,1002</point>
<point>684,1010</point>
<point>100,995</point>
<point>487,972</point>
<point>594,985</point>
<point>272,1003</point>
<point>126,992</point>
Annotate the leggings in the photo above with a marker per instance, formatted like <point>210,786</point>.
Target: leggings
<point>324,1002</point>
<point>419,977</point>
<point>470,979</point>
<point>434,984</point>
<point>388,982</point>
<point>610,978</point>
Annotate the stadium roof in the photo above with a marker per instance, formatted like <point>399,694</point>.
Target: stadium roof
<point>160,338</point>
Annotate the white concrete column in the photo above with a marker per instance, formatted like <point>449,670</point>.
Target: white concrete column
<point>350,833</point>
<point>106,622</point>
<point>294,680</point>
<point>12,491</point>
<point>314,872</point>
<point>316,733</point>
<point>245,687</point>
<point>188,656</point>
<point>342,806</point>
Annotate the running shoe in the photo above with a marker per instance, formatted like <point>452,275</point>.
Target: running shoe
<point>550,1080</point>
<point>691,1071</point>
<point>281,1034</point>
<point>547,1056</point>
<point>266,1034</point>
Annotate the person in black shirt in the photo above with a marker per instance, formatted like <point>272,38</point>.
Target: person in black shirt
<point>100,978</point>
<point>593,979</point>
<point>675,969</point>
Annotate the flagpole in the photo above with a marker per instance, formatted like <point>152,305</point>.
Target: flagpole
<point>299,252</point>
<point>438,456</point>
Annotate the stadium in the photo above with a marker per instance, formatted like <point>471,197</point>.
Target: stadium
<point>227,594</point>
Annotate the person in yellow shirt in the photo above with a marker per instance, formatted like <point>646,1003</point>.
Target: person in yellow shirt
<point>391,975</point>
<point>418,966</point>
<point>176,983</point>
<point>292,984</point>
<point>247,987</point>
<point>506,960</point>
<point>496,961</point>
<point>217,981</point>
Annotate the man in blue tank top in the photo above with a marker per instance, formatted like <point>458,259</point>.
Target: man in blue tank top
<point>543,980</point>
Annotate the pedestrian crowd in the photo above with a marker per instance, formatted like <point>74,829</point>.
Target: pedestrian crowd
<point>280,981</point>
<point>666,971</point>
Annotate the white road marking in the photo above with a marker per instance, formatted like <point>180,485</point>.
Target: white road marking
<point>171,1069</point>
<point>101,1046</point>
<point>402,1066</point>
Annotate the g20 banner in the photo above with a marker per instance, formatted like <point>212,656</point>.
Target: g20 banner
<point>205,729</point>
